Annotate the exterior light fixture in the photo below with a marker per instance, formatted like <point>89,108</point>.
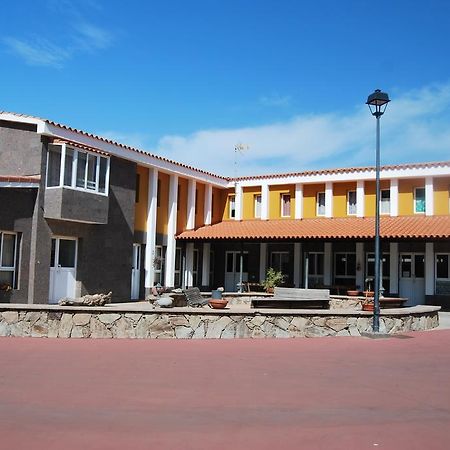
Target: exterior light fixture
<point>377,103</point>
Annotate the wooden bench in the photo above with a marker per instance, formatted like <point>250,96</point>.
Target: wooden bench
<point>194,297</point>
<point>294,298</point>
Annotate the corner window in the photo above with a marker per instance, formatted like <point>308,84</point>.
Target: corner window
<point>8,259</point>
<point>285,205</point>
<point>257,203</point>
<point>385,201</point>
<point>232,206</point>
<point>320,204</point>
<point>351,203</point>
<point>77,169</point>
<point>419,200</point>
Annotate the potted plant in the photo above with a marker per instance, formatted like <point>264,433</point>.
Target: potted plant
<point>273,278</point>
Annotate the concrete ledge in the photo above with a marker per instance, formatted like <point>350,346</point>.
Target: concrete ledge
<point>142,321</point>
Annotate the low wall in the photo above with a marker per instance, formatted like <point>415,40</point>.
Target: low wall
<point>185,323</point>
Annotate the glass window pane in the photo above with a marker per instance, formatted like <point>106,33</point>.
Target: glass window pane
<point>442,266</point>
<point>419,201</point>
<point>320,264</point>
<point>102,175</point>
<point>54,165</point>
<point>245,263</point>
<point>257,206</point>
<point>52,256</point>
<point>91,172</point>
<point>230,262</point>
<point>312,264</point>
<point>370,265</point>
<point>340,259</point>
<point>178,259</point>
<point>285,205</point>
<point>67,253</point>
<point>81,169</point>
<point>406,266</point>
<point>9,241</point>
<point>321,204</point>
<point>352,202</point>
<point>385,201</point>
<point>351,264</point>
<point>7,277</point>
<point>419,266</point>
<point>232,207</point>
<point>68,165</point>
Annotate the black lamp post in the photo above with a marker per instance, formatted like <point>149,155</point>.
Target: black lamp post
<point>377,103</point>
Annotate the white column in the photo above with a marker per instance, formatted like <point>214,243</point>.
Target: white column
<point>299,201</point>
<point>360,198</point>
<point>238,202</point>
<point>171,231</point>
<point>359,248</point>
<point>429,198</point>
<point>264,202</point>
<point>429,268</point>
<point>393,264</point>
<point>190,219</point>
<point>394,197</point>
<point>297,263</point>
<point>207,218</point>
<point>327,263</point>
<point>189,264</point>
<point>262,261</point>
<point>150,238</point>
<point>206,263</point>
<point>328,199</point>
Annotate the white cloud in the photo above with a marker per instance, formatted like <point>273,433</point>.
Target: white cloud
<point>137,140</point>
<point>90,37</point>
<point>40,52</point>
<point>414,128</point>
<point>275,100</point>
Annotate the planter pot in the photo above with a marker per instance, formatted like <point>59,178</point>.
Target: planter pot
<point>218,303</point>
<point>369,293</point>
<point>351,293</point>
<point>216,294</point>
<point>367,307</point>
<point>270,290</point>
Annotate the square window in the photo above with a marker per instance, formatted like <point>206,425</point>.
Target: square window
<point>258,206</point>
<point>232,206</point>
<point>321,203</point>
<point>351,203</point>
<point>385,201</point>
<point>419,200</point>
<point>285,205</point>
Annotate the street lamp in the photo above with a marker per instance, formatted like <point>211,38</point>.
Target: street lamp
<point>377,103</point>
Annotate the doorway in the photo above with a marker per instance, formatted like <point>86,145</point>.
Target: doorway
<point>63,268</point>
<point>136,272</point>
<point>412,278</point>
<point>233,268</point>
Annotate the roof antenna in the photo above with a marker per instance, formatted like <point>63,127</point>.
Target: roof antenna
<point>238,148</point>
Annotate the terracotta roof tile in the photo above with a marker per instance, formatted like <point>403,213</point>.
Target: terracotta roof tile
<point>411,227</point>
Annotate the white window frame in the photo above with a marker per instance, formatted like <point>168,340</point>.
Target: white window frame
<point>282,204</point>
<point>415,200</point>
<point>158,254</point>
<point>388,207</point>
<point>73,184</point>
<point>318,204</point>
<point>13,268</point>
<point>257,206</point>
<point>355,206</point>
<point>231,206</point>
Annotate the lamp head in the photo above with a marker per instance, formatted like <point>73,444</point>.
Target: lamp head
<point>378,102</point>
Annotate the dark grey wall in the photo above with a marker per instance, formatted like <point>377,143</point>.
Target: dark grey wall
<point>20,149</point>
<point>16,206</point>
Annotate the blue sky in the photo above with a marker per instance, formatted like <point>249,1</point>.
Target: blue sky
<point>190,79</point>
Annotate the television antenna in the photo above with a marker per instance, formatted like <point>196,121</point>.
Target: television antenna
<point>239,149</point>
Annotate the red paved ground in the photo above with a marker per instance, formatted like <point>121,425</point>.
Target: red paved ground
<point>324,393</point>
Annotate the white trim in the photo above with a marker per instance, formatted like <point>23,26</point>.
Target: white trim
<point>238,202</point>
<point>265,202</point>
<point>360,198</point>
<point>429,198</point>
<point>207,212</point>
<point>394,199</point>
<point>190,220</point>
<point>62,165</point>
<point>18,184</point>
<point>171,231</point>
<point>150,242</point>
<point>189,277</point>
<point>299,201</point>
<point>255,205</point>
<point>329,199</point>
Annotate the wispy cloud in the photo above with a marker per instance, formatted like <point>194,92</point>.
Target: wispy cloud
<point>275,100</point>
<point>414,128</point>
<point>138,140</point>
<point>38,52</point>
<point>90,37</point>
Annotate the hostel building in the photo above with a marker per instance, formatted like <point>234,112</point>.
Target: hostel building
<point>83,214</point>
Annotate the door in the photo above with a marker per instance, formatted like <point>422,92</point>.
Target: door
<point>232,270</point>
<point>412,278</point>
<point>136,272</point>
<point>63,269</point>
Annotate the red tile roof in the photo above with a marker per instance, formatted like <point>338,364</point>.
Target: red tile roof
<point>20,179</point>
<point>424,165</point>
<point>405,227</point>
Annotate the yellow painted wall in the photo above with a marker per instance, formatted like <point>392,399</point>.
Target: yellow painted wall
<point>162,213</point>
<point>140,212</point>
<point>182,204</point>
<point>441,196</point>
<point>226,210</point>
<point>200,205</point>
<point>369,196</point>
<point>406,195</point>
<point>275,200</point>
<point>248,199</point>
<point>340,198</point>
<point>219,201</point>
<point>310,199</point>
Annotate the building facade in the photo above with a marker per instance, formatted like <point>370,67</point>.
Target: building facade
<point>83,214</point>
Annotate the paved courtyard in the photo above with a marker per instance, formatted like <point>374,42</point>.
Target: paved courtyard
<point>324,393</point>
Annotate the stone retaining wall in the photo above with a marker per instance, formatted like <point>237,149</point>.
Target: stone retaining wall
<point>201,323</point>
